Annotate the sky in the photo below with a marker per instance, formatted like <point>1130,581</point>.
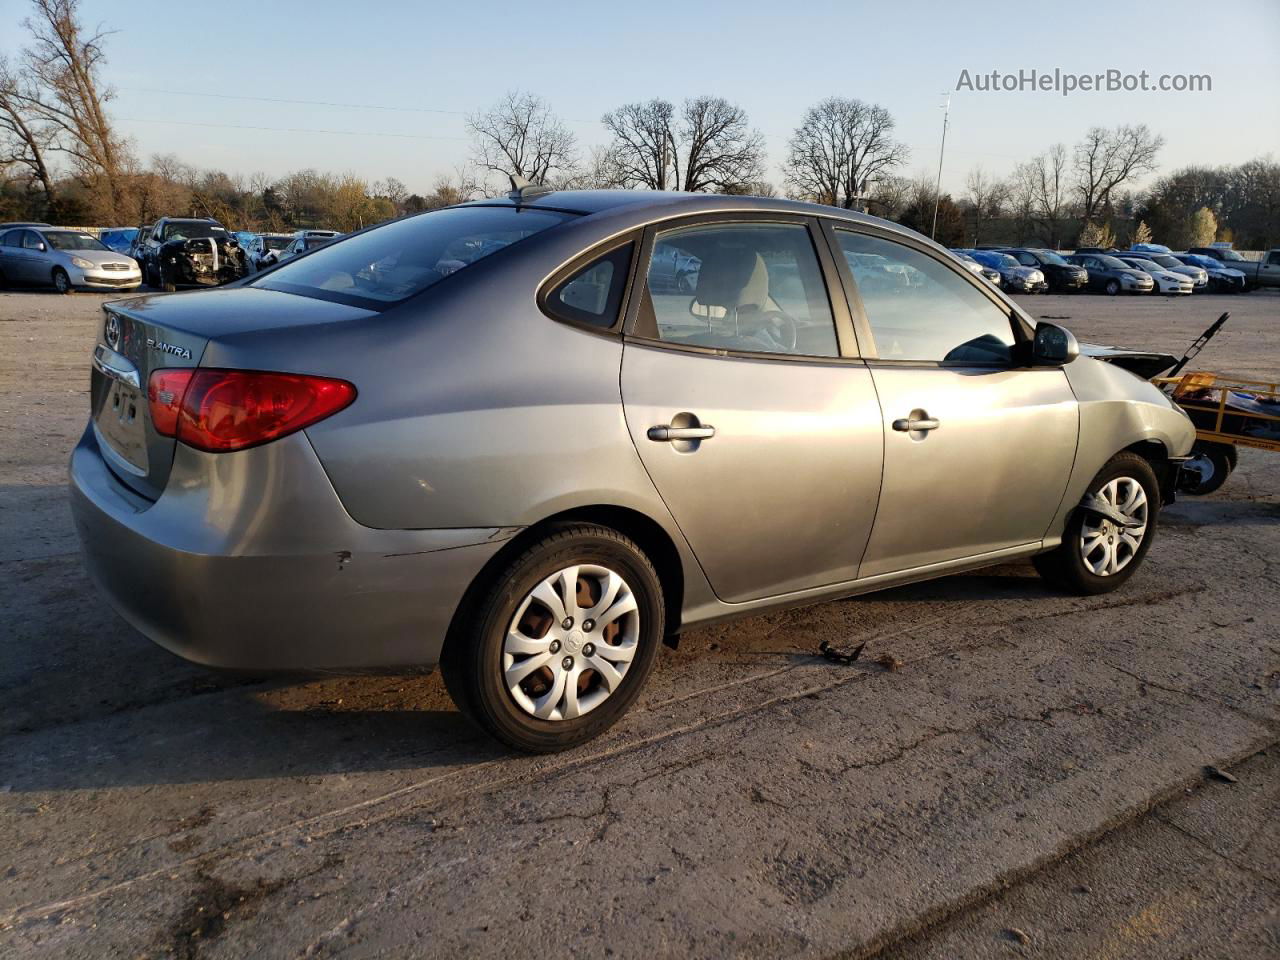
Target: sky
<point>397,79</point>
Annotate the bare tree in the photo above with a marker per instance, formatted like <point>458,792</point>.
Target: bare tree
<point>708,145</point>
<point>65,91</point>
<point>520,136</point>
<point>987,196</point>
<point>1042,186</point>
<point>644,151</point>
<point>1106,159</point>
<point>25,140</point>
<point>841,146</point>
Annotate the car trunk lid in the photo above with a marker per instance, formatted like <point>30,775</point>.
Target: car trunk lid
<point>140,336</point>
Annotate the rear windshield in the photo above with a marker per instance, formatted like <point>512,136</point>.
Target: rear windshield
<point>402,258</point>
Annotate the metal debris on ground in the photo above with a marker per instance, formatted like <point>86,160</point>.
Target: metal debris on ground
<point>839,656</point>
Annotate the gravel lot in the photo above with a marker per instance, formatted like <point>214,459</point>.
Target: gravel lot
<point>1029,782</point>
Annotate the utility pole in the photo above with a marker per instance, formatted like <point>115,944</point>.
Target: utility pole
<point>937,190</point>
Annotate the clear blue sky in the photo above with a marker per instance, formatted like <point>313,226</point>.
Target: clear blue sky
<point>774,59</point>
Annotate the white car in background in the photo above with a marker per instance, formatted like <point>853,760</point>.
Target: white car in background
<point>1166,281</point>
<point>1198,275</point>
<point>263,245</point>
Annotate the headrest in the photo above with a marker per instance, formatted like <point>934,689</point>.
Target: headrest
<point>732,277</point>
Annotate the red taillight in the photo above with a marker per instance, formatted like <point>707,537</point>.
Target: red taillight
<point>222,410</point>
<point>165,391</point>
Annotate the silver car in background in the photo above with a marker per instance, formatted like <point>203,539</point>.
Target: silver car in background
<point>534,466</point>
<point>65,260</point>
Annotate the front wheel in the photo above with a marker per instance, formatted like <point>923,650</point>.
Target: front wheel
<point>1099,553</point>
<point>61,282</point>
<point>556,647</point>
<point>1113,287</point>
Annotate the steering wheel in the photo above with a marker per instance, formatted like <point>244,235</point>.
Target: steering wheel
<point>781,327</point>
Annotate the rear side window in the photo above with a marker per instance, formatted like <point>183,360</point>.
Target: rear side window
<point>400,259</point>
<point>593,294</point>
<point>921,309</point>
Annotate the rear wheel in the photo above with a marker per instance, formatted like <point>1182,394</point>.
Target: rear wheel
<point>61,282</point>
<point>1208,469</point>
<point>553,650</point>
<point>1097,553</point>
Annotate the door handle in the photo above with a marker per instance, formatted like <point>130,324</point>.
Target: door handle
<point>910,426</point>
<point>667,433</point>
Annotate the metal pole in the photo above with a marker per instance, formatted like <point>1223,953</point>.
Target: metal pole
<point>937,189</point>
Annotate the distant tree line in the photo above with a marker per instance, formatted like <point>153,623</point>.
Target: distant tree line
<point>61,159</point>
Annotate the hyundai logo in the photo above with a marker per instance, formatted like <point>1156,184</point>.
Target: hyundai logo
<point>113,331</point>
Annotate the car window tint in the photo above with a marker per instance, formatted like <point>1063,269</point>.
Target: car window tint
<point>1028,260</point>
<point>593,294</point>
<point>921,309</point>
<point>747,287</point>
<point>1273,258</point>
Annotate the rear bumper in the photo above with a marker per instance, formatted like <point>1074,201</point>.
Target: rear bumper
<point>250,563</point>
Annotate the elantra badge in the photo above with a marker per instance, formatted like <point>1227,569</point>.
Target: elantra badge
<point>182,353</point>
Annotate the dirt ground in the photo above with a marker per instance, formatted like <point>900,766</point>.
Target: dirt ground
<point>1030,782</point>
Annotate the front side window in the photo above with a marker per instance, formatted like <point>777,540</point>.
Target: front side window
<point>750,287</point>
<point>31,240</point>
<point>404,257</point>
<point>920,309</point>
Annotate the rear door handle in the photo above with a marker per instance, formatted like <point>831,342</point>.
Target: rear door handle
<point>667,433</point>
<point>909,426</point>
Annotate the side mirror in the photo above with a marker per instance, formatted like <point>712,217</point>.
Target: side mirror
<point>1053,346</point>
<point>41,247</point>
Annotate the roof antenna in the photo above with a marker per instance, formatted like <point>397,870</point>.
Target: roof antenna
<point>522,189</point>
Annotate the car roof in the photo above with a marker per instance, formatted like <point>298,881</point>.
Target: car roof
<point>638,207</point>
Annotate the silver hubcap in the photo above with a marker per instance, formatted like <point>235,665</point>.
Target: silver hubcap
<point>571,642</point>
<point>1106,547</point>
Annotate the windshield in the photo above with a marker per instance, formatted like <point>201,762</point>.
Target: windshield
<point>187,230</point>
<point>1111,263</point>
<point>399,259</point>
<point>275,243</point>
<point>1229,255</point>
<point>1207,262</point>
<point>997,260</point>
<point>1048,256</point>
<point>1143,264</point>
<point>71,240</point>
<point>1172,262</point>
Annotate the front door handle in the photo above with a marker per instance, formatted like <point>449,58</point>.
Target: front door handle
<point>910,426</point>
<point>667,433</point>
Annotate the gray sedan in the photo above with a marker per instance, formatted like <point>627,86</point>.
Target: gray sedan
<point>65,260</point>
<point>535,466</point>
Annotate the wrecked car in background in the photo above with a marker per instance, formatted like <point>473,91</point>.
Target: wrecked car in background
<point>190,252</point>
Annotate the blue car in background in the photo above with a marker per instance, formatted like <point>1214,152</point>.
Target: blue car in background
<point>119,239</point>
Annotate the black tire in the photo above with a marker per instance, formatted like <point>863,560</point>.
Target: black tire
<point>61,282</point>
<point>472,662</point>
<point>1209,470</point>
<point>1112,287</point>
<point>1064,566</point>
